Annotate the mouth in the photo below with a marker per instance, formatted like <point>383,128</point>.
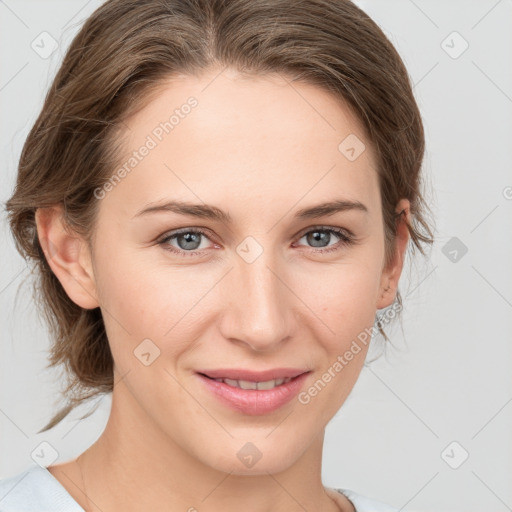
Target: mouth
<point>254,393</point>
<point>247,384</point>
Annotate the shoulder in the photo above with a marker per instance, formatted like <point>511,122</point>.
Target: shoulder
<point>35,489</point>
<point>364,504</point>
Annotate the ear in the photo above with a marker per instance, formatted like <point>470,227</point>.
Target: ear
<point>68,256</point>
<point>391,273</point>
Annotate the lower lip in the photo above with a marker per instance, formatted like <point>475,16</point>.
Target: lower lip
<point>255,401</point>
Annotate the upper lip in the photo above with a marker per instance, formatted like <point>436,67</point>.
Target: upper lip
<point>253,376</point>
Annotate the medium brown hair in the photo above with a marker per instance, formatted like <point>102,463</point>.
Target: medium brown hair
<point>128,48</point>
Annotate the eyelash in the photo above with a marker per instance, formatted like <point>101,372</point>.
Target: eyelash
<point>346,237</point>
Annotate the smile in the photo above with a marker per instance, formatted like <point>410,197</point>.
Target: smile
<point>246,384</point>
<point>253,397</point>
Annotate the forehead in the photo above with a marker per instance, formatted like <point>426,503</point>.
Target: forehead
<point>224,138</point>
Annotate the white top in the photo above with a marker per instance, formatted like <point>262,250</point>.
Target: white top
<point>37,490</point>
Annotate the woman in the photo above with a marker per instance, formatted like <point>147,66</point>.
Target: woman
<point>218,197</point>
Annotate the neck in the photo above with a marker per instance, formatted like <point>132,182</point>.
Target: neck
<point>133,454</point>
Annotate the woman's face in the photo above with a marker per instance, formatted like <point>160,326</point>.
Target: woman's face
<point>253,282</point>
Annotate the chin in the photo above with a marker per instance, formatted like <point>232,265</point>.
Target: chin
<point>259,457</point>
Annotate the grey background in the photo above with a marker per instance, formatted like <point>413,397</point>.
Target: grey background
<point>447,379</point>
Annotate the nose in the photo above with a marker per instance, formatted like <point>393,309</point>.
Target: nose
<point>258,305</point>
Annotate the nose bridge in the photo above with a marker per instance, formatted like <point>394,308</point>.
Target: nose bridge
<point>260,307</point>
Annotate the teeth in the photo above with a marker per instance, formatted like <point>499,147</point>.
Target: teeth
<point>269,384</point>
<point>245,384</point>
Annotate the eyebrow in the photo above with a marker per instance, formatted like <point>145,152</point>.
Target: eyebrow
<point>205,211</point>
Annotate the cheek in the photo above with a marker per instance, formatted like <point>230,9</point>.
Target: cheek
<point>342,295</point>
<point>141,300</point>
<point>345,307</point>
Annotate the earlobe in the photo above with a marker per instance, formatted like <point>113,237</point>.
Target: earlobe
<point>67,255</point>
<point>391,275</point>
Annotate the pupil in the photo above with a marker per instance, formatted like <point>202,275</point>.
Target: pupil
<point>317,236</point>
<point>190,238</point>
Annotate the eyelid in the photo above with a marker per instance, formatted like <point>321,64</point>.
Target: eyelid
<point>300,234</point>
<point>346,238</point>
<point>323,227</point>
<point>161,240</point>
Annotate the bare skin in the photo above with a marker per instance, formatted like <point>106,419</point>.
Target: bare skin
<point>259,149</point>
